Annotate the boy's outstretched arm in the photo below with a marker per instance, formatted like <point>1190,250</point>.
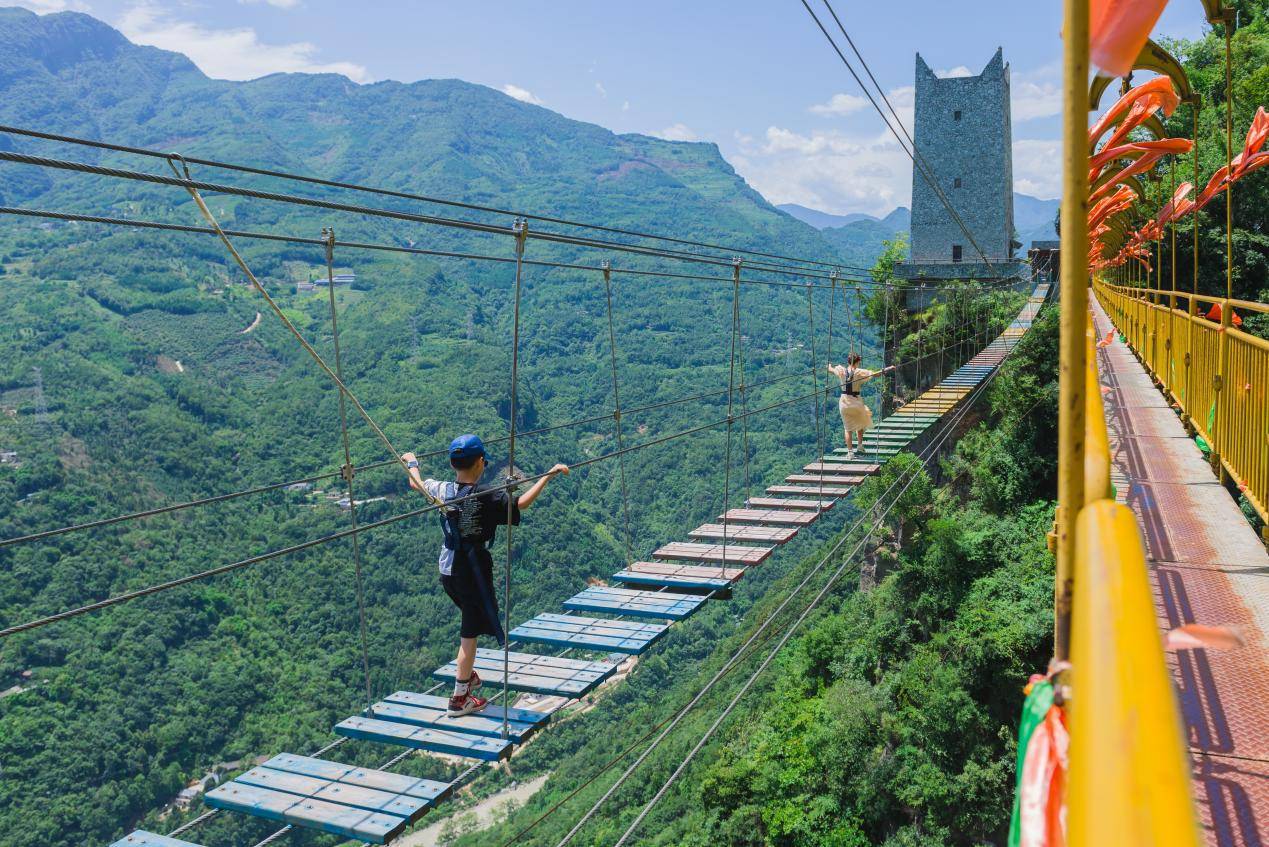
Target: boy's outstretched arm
<point>416,479</point>
<point>526,499</point>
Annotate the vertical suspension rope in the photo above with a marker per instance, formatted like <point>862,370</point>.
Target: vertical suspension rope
<point>521,229</point>
<point>744,401</point>
<point>823,400</point>
<point>731,394</point>
<point>616,415</point>
<point>328,235</point>
<point>815,387</point>
<point>885,350</point>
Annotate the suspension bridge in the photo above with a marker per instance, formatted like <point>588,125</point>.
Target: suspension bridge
<point>1147,727</point>
<point>566,653</point>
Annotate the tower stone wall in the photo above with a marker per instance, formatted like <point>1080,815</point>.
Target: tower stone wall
<point>962,131</point>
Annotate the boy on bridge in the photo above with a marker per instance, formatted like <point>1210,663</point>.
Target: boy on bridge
<point>470,517</point>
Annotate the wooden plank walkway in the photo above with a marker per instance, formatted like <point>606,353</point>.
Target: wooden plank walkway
<point>345,821</point>
<point>827,489</point>
<point>534,673</point>
<point>370,799</point>
<point>848,468</point>
<point>141,838</point>
<point>776,516</point>
<point>1207,567</point>
<point>731,553</point>
<point>427,789</point>
<point>636,604</point>
<point>827,478</point>
<point>429,710</point>
<point>676,575</point>
<point>609,636</point>
<point>739,532</point>
<point>783,503</point>
<point>453,742</point>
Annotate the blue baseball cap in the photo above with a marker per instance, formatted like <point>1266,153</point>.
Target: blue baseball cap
<point>467,447</point>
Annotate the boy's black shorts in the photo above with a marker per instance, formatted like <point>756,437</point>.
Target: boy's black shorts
<point>471,588</point>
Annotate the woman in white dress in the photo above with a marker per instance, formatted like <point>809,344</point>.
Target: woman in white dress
<point>856,416</point>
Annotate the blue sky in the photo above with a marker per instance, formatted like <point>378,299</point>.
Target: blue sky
<point>753,76</point>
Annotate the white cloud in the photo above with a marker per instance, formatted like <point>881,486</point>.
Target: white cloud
<point>677,132</point>
<point>277,4</point>
<point>228,53</point>
<point>599,86</point>
<point>625,106</point>
<point>1037,93</point>
<point>521,94</point>
<point>44,7</point>
<point>839,105</point>
<point>1037,167</point>
<point>835,171</point>
<point>959,70</point>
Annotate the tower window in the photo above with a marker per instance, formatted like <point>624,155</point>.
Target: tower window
<point>956,183</point>
<point>956,116</point>
<point>956,252</point>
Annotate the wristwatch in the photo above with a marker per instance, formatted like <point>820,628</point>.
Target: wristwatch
<point>412,464</point>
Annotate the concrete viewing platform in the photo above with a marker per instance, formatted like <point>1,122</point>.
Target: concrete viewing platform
<point>1207,566</point>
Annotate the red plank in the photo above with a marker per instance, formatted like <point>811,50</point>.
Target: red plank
<point>739,532</point>
<point>777,516</point>
<point>714,552</point>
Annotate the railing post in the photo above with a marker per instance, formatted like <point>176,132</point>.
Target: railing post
<point>1187,406</point>
<point>1221,418</point>
<point>1074,310</point>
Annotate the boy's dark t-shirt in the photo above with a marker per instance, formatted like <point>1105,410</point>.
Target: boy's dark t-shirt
<point>477,518</point>
<point>466,566</point>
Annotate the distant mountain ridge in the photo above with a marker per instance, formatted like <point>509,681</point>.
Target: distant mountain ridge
<point>821,220</point>
<point>1032,219</point>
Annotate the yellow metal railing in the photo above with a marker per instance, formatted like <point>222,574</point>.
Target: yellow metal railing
<point>1129,773</point>
<point>1184,351</point>
<point>1130,776</point>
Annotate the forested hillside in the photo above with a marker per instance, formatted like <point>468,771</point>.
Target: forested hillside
<point>133,375</point>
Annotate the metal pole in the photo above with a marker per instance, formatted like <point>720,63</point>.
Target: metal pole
<point>1187,407</point>
<point>1221,414</point>
<point>1171,342</point>
<point>1074,306</point>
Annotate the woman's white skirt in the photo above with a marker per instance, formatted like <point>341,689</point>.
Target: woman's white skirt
<point>855,415</point>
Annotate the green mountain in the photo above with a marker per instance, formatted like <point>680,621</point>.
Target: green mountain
<point>861,241</point>
<point>133,375</point>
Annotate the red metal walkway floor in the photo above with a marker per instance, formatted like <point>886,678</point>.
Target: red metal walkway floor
<point>1207,567</point>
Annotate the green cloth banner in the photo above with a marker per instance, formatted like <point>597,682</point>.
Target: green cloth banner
<point>1034,708</point>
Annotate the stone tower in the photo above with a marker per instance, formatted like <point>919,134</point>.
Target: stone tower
<point>962,131</point>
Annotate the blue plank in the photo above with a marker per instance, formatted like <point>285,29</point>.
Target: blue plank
<point>141,838</point>
<point>369,799</point>
<point>429,710</point>
<point>638,604</point>
<point>539,674</point>
<point>426,789</point>
<point>589,633</point>
<point>375,827</point>
<point>423,738</point>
